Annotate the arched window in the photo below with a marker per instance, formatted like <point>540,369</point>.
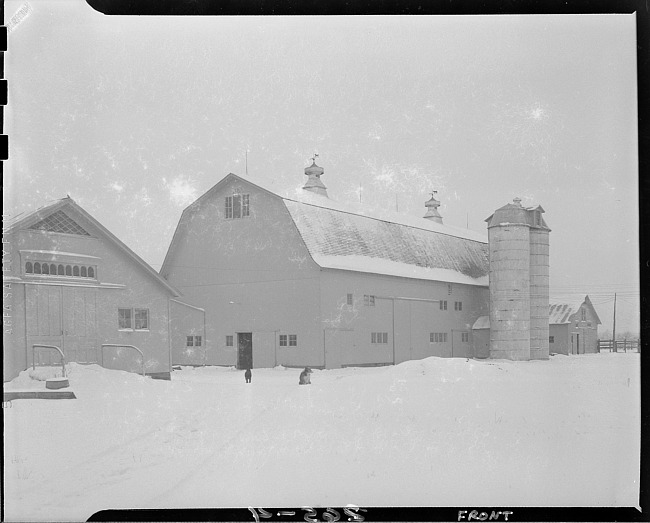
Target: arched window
<point>37,268</point>
<point>75,270</point>
<point>53,269</point>
<point>84,272</point>
<point>45,268</point>
<point>61,270</point>
<point>68,270</point>
<point>29,268</point>
<point>91,272</point>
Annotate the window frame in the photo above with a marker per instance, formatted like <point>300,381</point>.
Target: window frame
<point>379,338</point>
<point>369,300</point>
<point>237,206</point>
<point>230,340</point>
<point>135,319</point>
<point>443,305</point>
<point>132,319</point>
<point>121,318</point>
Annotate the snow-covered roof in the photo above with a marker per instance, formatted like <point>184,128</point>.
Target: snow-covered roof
<point>350,236</point>
<point>560,313</point>
<point>483,322</point>
<point>339,239</point>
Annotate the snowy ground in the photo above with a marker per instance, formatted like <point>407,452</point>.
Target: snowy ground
<point>449,432</point>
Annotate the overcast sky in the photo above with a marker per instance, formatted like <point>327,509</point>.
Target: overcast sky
<point>135,117</point>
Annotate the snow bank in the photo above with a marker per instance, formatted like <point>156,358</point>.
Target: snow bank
<point>452,432</point>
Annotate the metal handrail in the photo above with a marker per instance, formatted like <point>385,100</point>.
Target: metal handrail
<point>125,346</point>
<point>38,345</point>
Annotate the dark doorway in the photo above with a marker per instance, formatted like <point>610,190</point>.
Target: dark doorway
<point>577,343</point>
<point>244,350</point>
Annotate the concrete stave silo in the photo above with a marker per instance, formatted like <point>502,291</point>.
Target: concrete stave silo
<point>519,282</point>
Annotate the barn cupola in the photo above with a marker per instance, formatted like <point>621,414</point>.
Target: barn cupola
<point>314,183</point>
<point>432,209</point>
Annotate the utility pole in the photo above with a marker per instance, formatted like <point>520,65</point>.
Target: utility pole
<point>614,329</point>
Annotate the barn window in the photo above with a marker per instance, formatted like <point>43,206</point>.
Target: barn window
<point>75,270</point>
<point>53,268</point>
<point>141,319</point>
<point>190,341</point>
<point>197,341</point>
<point>283,340</point>
<point>464,337</point>
<point>60,270</point>
<point>379,337</point>
<point>37,268</point>
<point>350,299</point>
<point>91,272</point>
<point>237,206</point>
<point>369,300</point>
<point>68,270</point>
<point>551,339</point>
<point>438,337</point>
<point>443,305</point>
<point>124,318</point>
<point>449,289</point>
<point>293,340</point>
<point>583,314</point>
<point>458,305</point>
<point>84,272</point>
<point>230,341</point>
<point>29,268</point>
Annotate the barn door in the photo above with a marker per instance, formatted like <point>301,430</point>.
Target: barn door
<point>244,350</point>
<point>43,317</point>
<point>338,345</point>
<point>80,324</point>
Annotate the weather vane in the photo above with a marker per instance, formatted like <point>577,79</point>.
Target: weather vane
<point>313,158</point>
<point>433,192</point>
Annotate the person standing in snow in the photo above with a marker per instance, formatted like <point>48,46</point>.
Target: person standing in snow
<point>248,374</point>
<point>304,377</point>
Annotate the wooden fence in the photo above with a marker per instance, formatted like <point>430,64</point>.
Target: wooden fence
<point>623,345</point>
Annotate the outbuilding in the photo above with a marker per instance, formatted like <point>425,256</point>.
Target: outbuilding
<point>573,327</point>
<point>69,283</point>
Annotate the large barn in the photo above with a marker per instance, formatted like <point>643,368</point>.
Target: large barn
<point>71,284</point>
<point>302,280</point>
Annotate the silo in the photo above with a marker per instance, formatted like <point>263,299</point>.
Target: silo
<point>509,245</point>
<point>539,285</point>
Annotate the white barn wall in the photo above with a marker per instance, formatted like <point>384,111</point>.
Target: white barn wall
<point>141,290</point>
<point>414,320</point>
<point>250,274</point>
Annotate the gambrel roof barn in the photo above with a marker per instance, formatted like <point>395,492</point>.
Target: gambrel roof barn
<point>305,280</point>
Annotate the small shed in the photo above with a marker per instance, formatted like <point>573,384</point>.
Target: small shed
<point>573,327</point>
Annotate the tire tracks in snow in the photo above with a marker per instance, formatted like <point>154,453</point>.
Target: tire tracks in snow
<point>206,461</point>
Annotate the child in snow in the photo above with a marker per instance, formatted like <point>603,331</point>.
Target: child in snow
<point>304,377</point>
<point>248,375</point>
